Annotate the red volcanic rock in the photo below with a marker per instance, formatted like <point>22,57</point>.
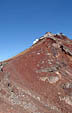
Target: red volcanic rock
<point>38,80</point>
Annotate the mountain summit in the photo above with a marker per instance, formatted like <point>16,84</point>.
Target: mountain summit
<point>38,80</point>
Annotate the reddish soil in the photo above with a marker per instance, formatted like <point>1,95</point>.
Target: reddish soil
<point>38,80</point>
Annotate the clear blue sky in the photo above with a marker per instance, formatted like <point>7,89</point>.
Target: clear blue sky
<point>22,21</point>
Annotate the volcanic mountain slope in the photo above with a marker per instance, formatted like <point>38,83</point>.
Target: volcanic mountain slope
<point>39,80</point>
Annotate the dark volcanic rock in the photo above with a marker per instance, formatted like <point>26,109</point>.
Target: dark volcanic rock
<point>38,80</point>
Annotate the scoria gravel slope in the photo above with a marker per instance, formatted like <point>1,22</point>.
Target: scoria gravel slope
<point>38,80</point>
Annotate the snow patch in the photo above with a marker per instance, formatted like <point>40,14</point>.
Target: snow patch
<point>34,42</point>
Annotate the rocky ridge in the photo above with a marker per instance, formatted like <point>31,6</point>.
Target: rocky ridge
<point>38,80</point>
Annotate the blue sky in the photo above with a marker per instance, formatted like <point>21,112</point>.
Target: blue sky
<point>22,21</point>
